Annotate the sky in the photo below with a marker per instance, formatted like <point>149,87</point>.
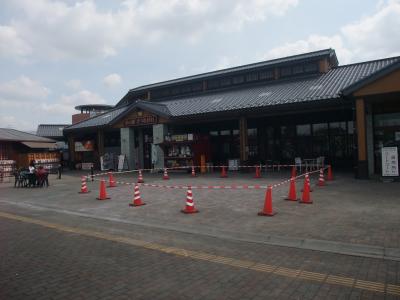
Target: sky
<point>57,54</point>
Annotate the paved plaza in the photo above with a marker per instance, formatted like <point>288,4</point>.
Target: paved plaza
<point>63,245</point>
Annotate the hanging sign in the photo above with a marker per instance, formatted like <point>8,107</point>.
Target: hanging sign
<point>390,161</point>
<point>143,120</point>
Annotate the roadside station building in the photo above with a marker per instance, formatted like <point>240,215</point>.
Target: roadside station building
<point>303,106</point>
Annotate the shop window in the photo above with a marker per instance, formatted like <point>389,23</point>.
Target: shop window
<point>311,67</point>
<point>267,75</point>
<point>214,133</point>
<point>288,131</point>
<point>298,69</point>
<point>235,131</point>
<point>385,120</point>
<point>252,132</point>
<point>196,87</point>
<point>226,82</point>
<point>185,89</point>
<point>338,146</point>
<point>320,129</point>
<point>225,132</point>
<point>350,127</point>
<point>213,84</point>
<point>252,77</point>
<point>286,71</point>
<point>303,130</point>
<point>238,79</point>
<point>337,128</point>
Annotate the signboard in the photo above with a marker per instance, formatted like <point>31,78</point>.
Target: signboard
<point>107,162</point>
<point>84,146</point>
<point>122,162</point>
<point>143,120</point>
<point>390,161</point>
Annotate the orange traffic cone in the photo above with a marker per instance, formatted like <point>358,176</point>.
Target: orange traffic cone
<point>140,177</point>
<point>292,190</point>
<point>293,172</point>
<point>223,172</point>
<point>84,189</point>
<point>137,200</point>
<point>330,175</point>
<point>258,172</point>
<point>193,172</point>
<point>321,179</point>
<point>103,193</point>
<point>267,210</point>
<point>165,176</point>
<point>111,181</point>
<point>189,208</point>
<point>305,198</point>
<point>308,181</point>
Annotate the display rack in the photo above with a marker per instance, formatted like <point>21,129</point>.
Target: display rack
<point>7,168</point>
<point>50,160</point>
<point>178,150</point>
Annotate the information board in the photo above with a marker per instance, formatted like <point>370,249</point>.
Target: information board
<point>390,161</point>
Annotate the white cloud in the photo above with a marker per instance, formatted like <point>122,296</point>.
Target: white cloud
<point>112,80</point>
<point>66,103</point>
<point>22,90</point>
<point>73,84</point>
<point>12,45</point>
<point>58,30</point>
<point>372,37</point>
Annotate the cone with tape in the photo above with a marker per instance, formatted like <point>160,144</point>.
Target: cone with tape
<point>111,181</point>
<point>292,190</point>
<point>137,200</point>
<point>330,175</point>
<point>140,177</point>
<point>193,172</point>
<point>223,172</point>
<point>103,192</point>
<point>189,207</point>
<point>308,181</point>
<point>165,175</point>
<point>294,172</point>
<point>321,179</point>
<point>84,189</point>
<point>258,172</point>
<point>267,210</point>
<point>305,198</point>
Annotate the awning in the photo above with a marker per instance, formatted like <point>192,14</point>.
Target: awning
<point>40,145</point>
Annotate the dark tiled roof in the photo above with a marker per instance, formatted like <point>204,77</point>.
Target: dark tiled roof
<point>7,134</point>
<point>51,130</point>
<point>319,87</point>
<point>273,62</point>
<point>324,86</point>
<point>99,120</point>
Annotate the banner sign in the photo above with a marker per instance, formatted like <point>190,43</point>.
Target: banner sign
<point>390,161</point>
<point>84,146</point>
<point>144,120</point>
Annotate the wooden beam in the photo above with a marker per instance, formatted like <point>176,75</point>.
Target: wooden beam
<point>243,139</point>
<point>361,129</point>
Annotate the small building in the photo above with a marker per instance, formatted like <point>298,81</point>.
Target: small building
<point>304,106</point>
<point>18,149</point>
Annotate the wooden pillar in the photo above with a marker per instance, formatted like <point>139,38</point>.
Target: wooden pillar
<point>71,150</point>
<point>100,142</point>
<point>243,138</point>
<point>362,163</point>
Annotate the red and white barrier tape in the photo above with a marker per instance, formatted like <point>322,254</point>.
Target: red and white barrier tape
<point>215,187</point>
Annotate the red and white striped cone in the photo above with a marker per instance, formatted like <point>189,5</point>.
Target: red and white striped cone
<point>111,181</point>
<point>258,172</point>
<point>189,208</point>
<point>193,172</point>
<point>137,200</point>
<point>165,176</point>
<point>267,209</point>
<point>321,179</point>
<point>308,181</point>
<point>305,198</point>
<point>84,189</point>
<point>140,177</point>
